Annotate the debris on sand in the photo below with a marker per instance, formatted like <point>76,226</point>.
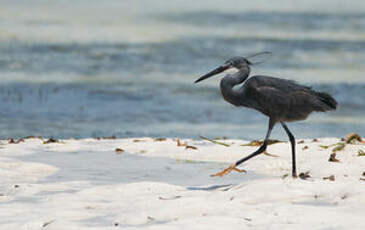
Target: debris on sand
<point>160,139</point>
<point>285,176</point>
<point>51,140</point>
<point>106,138</point>
<point>109,138</point>
<point>139,140</point>
<point>119,150</point>
<point>150,219</point>
<point>178,143</point>
<point>45,224</point>
<point>360,153</point>
<point>333,158</point>
<point>214,141</point>
<point>326,146</point>
<point>304,176</point>
<point>352,138</point>
<point>340,146</point>
<point>12,141</point>
<point>331,178</point>
<point>259,143</point>
<point>191,147</point>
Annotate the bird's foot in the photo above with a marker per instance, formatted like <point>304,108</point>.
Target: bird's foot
<point>294,175</point>
<point>228,170</point>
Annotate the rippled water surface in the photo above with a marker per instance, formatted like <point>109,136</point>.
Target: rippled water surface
<point>126,68</point>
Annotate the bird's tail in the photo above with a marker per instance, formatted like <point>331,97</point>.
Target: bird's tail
<point>327,100</point>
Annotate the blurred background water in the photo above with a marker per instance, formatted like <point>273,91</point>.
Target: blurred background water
<point>88,68</point>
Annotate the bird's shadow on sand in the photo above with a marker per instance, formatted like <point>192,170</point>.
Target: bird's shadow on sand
<point>211,188</point>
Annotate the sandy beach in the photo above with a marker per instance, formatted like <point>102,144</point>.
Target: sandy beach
<point>145,183</point>
<point>124,71</point>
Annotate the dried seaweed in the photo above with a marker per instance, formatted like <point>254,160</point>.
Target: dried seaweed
<point>331,178</point>
<point>119,150</point>
<point>51,140</point>
<point>361,153</point>
<point>191,147</point>
<point>352,138</point>
<point>178,143</point>
<point>326,146</point>
<point>333,158</point>
<point>259,142</point>
<point>12,141</point>
<point>139,140</point>
<point>304,176</point>
<point>109,138</point>
<point>160,139</point>
<point>45,224</point>
<point>340,146</point>
<point>221,138</point>
<point>214,141</point>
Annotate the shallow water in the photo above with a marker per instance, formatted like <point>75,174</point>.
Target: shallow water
<point>126,68</point>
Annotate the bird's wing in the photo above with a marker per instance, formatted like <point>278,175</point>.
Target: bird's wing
<point>284,85</point>
<point>276,102</point>
<point>271,100</point>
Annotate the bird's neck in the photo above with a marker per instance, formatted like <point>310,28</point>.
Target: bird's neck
<point>237,78</point>
<point>228,82</point>
<point>241,75</point>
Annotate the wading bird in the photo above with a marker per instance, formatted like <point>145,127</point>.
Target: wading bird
<point>279,99</point>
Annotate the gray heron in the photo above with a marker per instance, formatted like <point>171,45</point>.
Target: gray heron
<point>280,99</point>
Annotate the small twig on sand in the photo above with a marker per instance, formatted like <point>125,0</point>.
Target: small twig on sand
<point>214,141</point>
<point>259,143</point>
<point>178,143</point>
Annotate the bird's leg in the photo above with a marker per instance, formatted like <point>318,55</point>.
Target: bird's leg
<point>257,152</point>
<point>292,142</point>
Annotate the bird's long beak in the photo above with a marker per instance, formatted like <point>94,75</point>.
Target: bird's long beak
<point>218,70</point>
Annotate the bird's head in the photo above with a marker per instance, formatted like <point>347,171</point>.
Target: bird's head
<point>238,62</point>
<point>234,62</point>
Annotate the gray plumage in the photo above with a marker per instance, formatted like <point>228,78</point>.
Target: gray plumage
<point>280,99</point>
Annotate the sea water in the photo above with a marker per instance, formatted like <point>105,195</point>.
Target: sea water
<point>90,68</point>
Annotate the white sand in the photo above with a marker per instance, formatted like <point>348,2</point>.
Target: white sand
<point>85,184</point>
